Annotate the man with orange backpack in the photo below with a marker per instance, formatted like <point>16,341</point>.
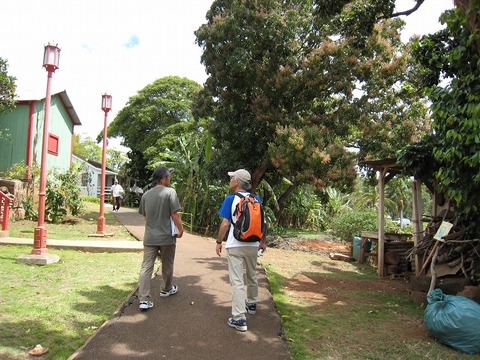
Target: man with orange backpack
<point>243,219</point>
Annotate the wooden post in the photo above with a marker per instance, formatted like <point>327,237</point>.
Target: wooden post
<point>417,220</point>
<point>381,223</point>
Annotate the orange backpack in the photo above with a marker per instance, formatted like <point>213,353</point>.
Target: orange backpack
<point>250,225</point>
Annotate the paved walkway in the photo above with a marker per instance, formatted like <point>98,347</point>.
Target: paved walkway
<point>190,324</point>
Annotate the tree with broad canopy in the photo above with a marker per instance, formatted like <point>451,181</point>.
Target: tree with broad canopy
<point>292,89</point>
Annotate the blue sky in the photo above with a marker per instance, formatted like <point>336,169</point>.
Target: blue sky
<point>119,46</point>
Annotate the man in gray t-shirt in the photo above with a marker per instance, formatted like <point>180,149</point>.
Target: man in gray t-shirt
<point>160,206</point>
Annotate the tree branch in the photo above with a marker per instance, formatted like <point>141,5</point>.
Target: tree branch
<point>408,12</point>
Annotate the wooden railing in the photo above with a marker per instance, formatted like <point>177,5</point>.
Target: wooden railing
<point>5,204</point>
<point>107,193</point>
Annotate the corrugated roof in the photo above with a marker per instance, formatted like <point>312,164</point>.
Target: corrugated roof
<point>67,103</point>
<point>96,164</point>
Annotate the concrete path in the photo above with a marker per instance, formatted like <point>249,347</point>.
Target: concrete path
<point>192,323</point>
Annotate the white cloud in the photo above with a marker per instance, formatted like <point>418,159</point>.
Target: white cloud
<point>116,46</point>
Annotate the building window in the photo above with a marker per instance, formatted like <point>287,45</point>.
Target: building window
<point>53,142</point>
<point>86,178</point>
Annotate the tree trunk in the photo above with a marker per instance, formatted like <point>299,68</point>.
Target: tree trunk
<point>281,201</point>
<point>257,176</point>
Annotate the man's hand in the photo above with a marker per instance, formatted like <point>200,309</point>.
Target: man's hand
<point>224,227</point>
<point>218,249</point>
<point>263,245</point>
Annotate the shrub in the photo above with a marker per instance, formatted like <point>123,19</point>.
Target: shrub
<point>351,223</point>
<point>29,207</point>
<point>62,194</point>
<point>91,199</point>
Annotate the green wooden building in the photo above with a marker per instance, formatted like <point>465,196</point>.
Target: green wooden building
<point>24,129</point>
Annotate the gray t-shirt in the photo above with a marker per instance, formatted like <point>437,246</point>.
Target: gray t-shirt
<point>156,205</point>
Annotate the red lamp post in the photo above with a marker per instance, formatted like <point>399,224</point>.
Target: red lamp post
<point>50,62</point>
<point>106,107</point>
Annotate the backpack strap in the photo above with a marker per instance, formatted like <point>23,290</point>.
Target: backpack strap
<point>241,196</point>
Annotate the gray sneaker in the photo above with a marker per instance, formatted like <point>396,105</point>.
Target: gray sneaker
<point>145,305</point>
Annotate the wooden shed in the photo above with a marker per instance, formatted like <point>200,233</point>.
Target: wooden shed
<point>387,169</point>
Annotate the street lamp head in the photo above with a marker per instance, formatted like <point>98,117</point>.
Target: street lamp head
<point>106,102</point>
<point>51,57</point>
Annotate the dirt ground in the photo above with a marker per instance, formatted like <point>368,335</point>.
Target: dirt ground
<point>326,246</point>
<point>304,281</point>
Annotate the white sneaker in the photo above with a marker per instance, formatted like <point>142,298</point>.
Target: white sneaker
<point>145,305</point>
<point>172,291</point>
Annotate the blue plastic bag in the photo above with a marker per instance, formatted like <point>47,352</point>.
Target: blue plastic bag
<point>454,321</point>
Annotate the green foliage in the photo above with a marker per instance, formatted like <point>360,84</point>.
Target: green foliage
<point>199,196</point>
<point>270,203</point>
<point>7,89</point>
<point>452,54</point>
<point>152,122</point>
<point>399,191</point>
<point>54,204</point>
<point>86,148</point>
<point>418,160</point>
<point>130,199</point>
<point>20,171</point>
<point>91,199</point>
<point>116,159</point>
<point>277,230</point>
<point>63,194</point>
<point>367,196</point>
<point>69,181</point>
<point>351,223</point>
<point>291,79</point>
<point>355,19</point>
<point>336,201</point>
<point>303,210</point>
<point>29,208</point>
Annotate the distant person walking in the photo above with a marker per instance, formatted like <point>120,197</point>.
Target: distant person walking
<point>117,191</point>
<point>239,254</point>
<point>160,206</point>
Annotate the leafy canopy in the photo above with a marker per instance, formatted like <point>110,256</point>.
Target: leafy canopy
<point>153,120</point>
<point>451,74</point>
<point>7,87</point>
<point>290,86</point>
<point>7,94</point>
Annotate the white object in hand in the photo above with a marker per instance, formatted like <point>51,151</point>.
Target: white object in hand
<point>174,228</point>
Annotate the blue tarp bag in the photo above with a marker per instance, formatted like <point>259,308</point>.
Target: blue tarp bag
<point>454,321</point>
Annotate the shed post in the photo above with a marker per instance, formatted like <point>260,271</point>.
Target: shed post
<point>381,221</point>
<point>417,219</point>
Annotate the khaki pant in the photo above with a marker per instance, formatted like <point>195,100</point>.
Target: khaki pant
<point>167,257</point>
<point>238,258</point>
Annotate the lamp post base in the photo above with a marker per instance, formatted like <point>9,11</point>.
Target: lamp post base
<point>39,259</point>
<point>40,241</point>
<point>101,225</point>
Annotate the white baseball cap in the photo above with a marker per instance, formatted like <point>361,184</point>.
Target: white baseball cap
<point>241,174</point>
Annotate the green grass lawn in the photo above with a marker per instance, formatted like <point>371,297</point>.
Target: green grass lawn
<point>60,305</point>
<point>74,228</point>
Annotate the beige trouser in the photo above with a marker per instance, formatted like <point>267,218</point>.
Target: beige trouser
<point>167,257</point>
<point>238,257</point>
